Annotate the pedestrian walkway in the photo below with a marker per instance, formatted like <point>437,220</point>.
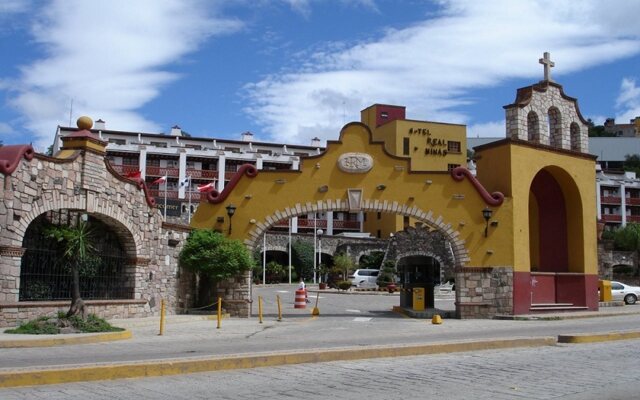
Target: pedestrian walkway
<point>193,343</point>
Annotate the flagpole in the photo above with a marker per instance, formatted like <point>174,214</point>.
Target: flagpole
<point>289,251</point>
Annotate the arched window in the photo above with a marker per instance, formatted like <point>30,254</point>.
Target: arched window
<point>555,127</point>
<point>533,127</point>
<point>575,137</point>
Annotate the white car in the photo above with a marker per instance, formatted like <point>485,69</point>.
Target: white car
<point>620,291</point>
<point>365,278</point>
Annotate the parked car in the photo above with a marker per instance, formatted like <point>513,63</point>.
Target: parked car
<point>620,291</point>
<point>364,278</point>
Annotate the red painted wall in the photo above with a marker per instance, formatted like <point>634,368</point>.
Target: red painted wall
<point>521,292</point>
<point>554,255</point>
<point>543,288</point>
<point>392,113</point>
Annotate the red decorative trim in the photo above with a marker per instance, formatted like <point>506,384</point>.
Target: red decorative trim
<point>10,157</point>
<point>139,182</point>
<point>493,199</point>
<point>216,197</point>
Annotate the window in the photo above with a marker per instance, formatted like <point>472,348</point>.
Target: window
<point>117,141</point>
<point>453,146</point>
<point>232,149</point>
<point>129,161</point>
<point>379,234</point>
<point>379,215</point>
<point>452,166</point>
<point>384,115</point>
<point>405,221</point>
<point>158,144</point>
<point>193,146</point>
<point>405,146</point>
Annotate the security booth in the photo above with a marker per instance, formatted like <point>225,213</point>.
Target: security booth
<point>419,275</point>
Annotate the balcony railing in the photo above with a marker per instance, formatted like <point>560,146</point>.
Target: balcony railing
<point>159,193</point>
<point>162,171</point>
<point>196,196</point>
<point>633,201</point>
<point>202,173</point>
<point>610,200</point>
<point>125,169</point>
<point>320,223</point>
<point>633,218</point>
<point>611,218</point>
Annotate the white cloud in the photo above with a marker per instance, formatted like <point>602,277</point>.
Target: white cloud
<point>14,6</point>
<point>5,128</point>
<point>487,129</point>
<point>110,57</point>
<point>628,102</point>
<point>434,64</point>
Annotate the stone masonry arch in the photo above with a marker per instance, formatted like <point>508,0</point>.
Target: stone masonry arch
<point>460,253</point>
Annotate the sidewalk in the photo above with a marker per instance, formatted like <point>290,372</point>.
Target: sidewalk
<point>193,344</point>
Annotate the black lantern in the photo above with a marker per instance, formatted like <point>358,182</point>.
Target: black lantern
<point>486,214</point>
<point>231,209</point>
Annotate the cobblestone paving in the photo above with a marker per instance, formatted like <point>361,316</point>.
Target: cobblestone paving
<point>587,371</point>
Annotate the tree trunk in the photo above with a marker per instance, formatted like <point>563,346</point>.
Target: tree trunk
<point>77,304</point>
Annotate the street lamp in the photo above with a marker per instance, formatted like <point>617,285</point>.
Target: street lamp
<point>231,209</point>
<point>320,232</point>
<point>486,214</point>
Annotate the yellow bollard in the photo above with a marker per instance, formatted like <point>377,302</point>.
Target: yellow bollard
<point>279,308</point>
<point>162,311</point>
<point>260,308</point>
<point>219,312</point>
<point>436,320</point>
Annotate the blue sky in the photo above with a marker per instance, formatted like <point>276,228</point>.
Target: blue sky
<point>289,70</point>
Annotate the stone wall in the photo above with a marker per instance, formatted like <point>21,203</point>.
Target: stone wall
<point>85,183</point>
<point>484,292</point>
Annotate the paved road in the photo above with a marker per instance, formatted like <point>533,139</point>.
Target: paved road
<point>568,372</point>
<point>368,323</point>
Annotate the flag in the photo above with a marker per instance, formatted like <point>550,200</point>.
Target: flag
<point>206,188</point>
<point>186,181</point>
<point>133,175</point>
<point>160,180</point>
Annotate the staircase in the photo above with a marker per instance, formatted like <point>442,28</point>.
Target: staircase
<point>555,307</point>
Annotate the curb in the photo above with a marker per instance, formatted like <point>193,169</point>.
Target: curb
<point>594,338</point>
<point>188,366</point>
<point>85,338</point>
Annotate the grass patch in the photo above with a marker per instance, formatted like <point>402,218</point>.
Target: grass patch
<point>62,324</point>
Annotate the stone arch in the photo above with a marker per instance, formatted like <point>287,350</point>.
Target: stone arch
<point>458,248</point>
<point>555,127</point>
<point>533,127</point>
<point>102,209</point>
<point>575,136</point>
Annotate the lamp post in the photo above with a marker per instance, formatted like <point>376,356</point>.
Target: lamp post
<point>231,209</point>
<point>486,214</point>
<point>320,232</point>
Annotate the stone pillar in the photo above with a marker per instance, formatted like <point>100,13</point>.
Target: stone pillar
<point>598,201</point>
<point>142,161</point>
<point>294,225</point>
<point>259,163</point>
<point>623,205</point>
<point>222,161</point>
<point>329,223</point>
<point>182,174</point>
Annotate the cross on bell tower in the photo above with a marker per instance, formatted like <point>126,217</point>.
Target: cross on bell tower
<point>548,64</point>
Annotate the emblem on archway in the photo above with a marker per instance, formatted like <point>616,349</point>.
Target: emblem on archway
<point>355,163</point>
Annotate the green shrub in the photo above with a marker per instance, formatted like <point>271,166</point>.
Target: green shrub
<point>52,325</point>
<point>344,285</point>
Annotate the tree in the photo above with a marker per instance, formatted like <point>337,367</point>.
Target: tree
<point>209,253</point>
<point>213,258</point>
<point>302,259</point>
<point>342,262</point>
<point>78,249</point>
<point>598,130</point>
<point>632,163</point>
<point>372,260</point>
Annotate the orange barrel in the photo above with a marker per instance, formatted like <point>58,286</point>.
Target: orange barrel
<point>301,301</point>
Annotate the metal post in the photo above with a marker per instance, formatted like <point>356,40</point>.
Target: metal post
<point>264,259</point>
<point>315,249</point>
<point>189,188</point>
<point>260,309</point>
<point>279,308</point>
<point>162,311</point>
<point>320,256</point>
<point>219,312</point>
<point>166,183</point>
<point>290,251</point>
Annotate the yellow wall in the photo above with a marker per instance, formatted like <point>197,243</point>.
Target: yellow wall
<point>511,169</point>
<point>455,207</point>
